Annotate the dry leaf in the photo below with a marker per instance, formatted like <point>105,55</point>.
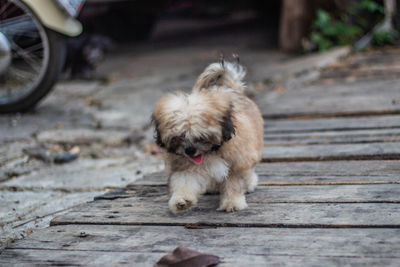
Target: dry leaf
<point>280,88</point>
<point>259,85</point>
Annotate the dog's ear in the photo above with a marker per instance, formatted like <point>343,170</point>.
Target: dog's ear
<point>157,135</point>
<point>227,126</point>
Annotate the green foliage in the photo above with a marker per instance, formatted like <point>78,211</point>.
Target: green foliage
<point>369,5</point>
<point>385,37</point>
<point>329,31</point>
<point>333,29</point>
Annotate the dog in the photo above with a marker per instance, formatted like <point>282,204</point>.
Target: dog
<point>212,139</point>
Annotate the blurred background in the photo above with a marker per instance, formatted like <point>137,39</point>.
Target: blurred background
<point>288,26</point>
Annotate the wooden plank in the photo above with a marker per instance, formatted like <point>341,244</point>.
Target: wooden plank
<point>313,172</point>
<point>117,245</point>
<point>326,206</point>
<point>50,257</point>
<point>369,73</point>
<point>361,98</point>
<point>322,152</point>
<point>332,137</point>
<point>329,172</point>
<point>368,193</point>
<point>332,124</point>
<point>29,257</point>
<point>372,64</point>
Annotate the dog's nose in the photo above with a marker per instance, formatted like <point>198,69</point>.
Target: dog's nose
<point>190,151</point>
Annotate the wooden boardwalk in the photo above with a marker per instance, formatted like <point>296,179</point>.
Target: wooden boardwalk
<point>329,191</point>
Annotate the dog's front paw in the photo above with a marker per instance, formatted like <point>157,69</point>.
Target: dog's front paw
<point>233,204</point>
<point>178,203</point>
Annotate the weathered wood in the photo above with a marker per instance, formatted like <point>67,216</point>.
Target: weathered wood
<point>50,257</point>
<point>372,193</point>
<point>114,245</point>
<point>336,208</point>
<point>389,55</point>
<point>29,257</point>
<point>307,211</point>
<point>332,137</point>
<point>374,61</point>
<point>367,72</point>
<point>314,172</point>
<point>370,151</point>
<point>329,172</point>
<point>368,98</point>
<point>332,124</point>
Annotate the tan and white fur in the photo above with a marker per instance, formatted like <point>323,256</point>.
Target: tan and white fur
<point>212,139</point>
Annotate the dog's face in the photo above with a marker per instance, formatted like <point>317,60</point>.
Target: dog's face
<point>193,125</point>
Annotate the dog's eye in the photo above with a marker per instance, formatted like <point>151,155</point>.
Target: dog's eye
<point>175,141</point>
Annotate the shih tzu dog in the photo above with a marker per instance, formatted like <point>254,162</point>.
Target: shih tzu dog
<point>212,139</point>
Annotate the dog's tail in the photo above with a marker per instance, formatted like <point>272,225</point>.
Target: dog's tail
<point>224,73</point>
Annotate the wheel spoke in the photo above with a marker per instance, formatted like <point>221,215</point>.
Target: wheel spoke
<point>34,48</point>
<point>22,24</point>
<point>29,58</point>
<point>3,9</point>
<point>19,78</point>
<point>8,12</point>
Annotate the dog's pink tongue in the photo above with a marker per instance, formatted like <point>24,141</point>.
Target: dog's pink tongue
<point>197,159</point>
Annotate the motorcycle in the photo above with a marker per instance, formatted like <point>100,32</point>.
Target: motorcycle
<point>33,48</point>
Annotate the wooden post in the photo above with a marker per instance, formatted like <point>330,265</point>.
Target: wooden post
<point>295,21</point>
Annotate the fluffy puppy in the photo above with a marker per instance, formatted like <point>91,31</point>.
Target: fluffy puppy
<point>212,139</point>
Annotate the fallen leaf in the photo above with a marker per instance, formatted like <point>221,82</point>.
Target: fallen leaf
<point>280,88</point>
<point>259,85</point>
<point>192,226</point>
<point>93,102</point>
<point>182,256</point>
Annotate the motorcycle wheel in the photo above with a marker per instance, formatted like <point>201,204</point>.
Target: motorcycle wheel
<point>32,61</point>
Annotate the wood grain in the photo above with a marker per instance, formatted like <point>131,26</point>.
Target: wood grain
<point>375,193</point>
<point>116,245</point>
<point>332,137</point>
<point>29,257</point>
<point>323,152</point>
<point>369,98</point>
<point>332,124</point>
<point>307,206</point>
<point>314,173</point>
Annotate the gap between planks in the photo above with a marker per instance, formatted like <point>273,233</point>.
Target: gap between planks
<point>205,225</point>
